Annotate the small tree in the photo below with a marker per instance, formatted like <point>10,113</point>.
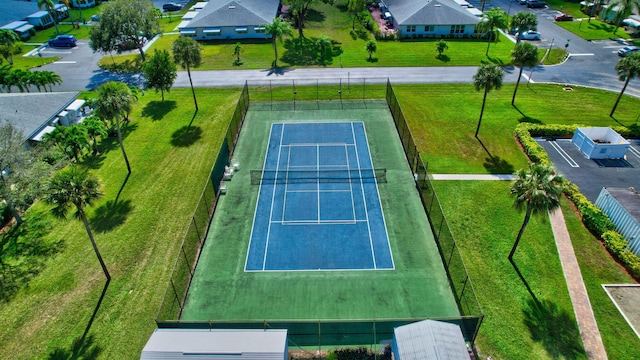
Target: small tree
<point>441,46</point>
<point>9,41</point>
<point>488,77</point>
<point>160,72</point>
<point>237,51</point>
<point>523,21</point>
<point>537,190</point>
<point>324,48</point>
<point>524,54</point>
<point>628,68</point>
<point>371,47</point>
<point>355,8</point>
<point>187,54</point>
<point>277,29</point>
<point>94,128</point>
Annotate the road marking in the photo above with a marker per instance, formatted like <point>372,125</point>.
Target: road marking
<point>564,154</point>
<point>586,54</point>
<point>634,151</point>
<point>56,52</point>
<point>64,62</point>
<point>527,78</point>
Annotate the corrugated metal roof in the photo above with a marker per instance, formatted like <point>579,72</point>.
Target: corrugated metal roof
<point>216,344</point>
<point>430,339</point>
<point>629,199</point>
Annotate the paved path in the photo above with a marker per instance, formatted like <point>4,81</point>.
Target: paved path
<point>577,291</point>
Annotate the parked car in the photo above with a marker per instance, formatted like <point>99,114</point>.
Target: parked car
<point>563,17</point>
<point>63,41</point>
<point>627,50</point>
<point>530,35</point>
<point>171,7</point>
<point>522,2</point>
<point>536,4</point>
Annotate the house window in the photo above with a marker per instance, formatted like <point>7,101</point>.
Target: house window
<point>411,28</point>
<point>241,30</point>
<point>259,29</point>
<point>429,28</point>
<point>457,29</point>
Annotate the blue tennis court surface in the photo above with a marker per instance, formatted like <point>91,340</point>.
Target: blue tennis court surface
<point>318,205</point>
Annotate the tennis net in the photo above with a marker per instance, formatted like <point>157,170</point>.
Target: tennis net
<point>264,177</point>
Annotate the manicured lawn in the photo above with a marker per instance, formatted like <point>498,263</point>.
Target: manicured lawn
<point>434,110</point>
<point>53,280</point>
<point>594,29</point>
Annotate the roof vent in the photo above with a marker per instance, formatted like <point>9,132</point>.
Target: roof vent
<point>232,7</point>
<point>437,5</point>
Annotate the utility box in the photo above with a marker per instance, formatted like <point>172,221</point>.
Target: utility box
<point>600,143</point>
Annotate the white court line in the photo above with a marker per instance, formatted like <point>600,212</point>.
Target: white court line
<point>564,154</point>
<point>273,196</point>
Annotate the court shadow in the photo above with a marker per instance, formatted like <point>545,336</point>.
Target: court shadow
<point>156,110</point>
<point>110,215</point>
<point>554,328</point>
<point>85,349</point>
<point>186,136</point>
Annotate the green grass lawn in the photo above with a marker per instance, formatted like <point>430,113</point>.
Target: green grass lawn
<point>594,29</point>
<point>57,289</point>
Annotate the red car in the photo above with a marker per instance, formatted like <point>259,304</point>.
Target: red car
<point>563,17</point>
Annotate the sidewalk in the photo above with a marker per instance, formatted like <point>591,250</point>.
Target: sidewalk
<point>589,331</point>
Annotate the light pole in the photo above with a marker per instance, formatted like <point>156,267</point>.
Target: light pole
<point>509,11</point>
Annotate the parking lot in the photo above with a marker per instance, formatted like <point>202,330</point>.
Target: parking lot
<point>592,175</point>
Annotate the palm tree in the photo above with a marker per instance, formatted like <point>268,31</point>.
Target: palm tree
<point>8,41</point>
<point>50,78</point>
<point>523,21</point>
<point>187,54</point>
<point>114,101</point>
<point>75,187</point>
<point>491,21</point>
<point>50,6</point>
<point>488,77</point>
<point>628,68</point>
<point>94,128</point>
<point>371,47</point>
<point>537,190</point>
<point>524,54</point>
<point>324,46</point>
<point>277,29</point>
<point>623,9</point>
<point>441,46</point>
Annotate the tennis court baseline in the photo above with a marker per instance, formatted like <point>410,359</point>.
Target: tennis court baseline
<point>318,206</point>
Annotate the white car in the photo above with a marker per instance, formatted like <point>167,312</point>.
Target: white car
<point>530,35</point>
<point>627,50</point>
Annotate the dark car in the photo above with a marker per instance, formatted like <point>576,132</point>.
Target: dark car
<point>563,17</point>
<point>63,41</point>
<point>171,7</point>
<point>536,4</point>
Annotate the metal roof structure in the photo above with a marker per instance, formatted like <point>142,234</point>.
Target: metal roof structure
<point>216,344</point>
<point>429,339</point>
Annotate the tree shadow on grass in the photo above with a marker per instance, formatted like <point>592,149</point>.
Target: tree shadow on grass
<point>444,58</point>
<point>24,252</point>
<point>525,118</point>
<point>494,164</point>
<point>300,51</point>
<point>372,60</point>
<point>186,136</point>
<point>492,60</point>
<point>110,215</point>
<point>81,348</point>
<point>156,110</point>
<point>553,328</point>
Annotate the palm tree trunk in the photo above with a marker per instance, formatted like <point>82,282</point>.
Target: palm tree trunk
<point>300,23</point>
<point>489,42</point>
<point>193,91</point>
<point>93,243</point>
<point>15,213</point>
<point>513,99</point>
<point>620,96</point>
<point>141,51</point>
<point>527,216</point>
<point>484,101</point>
<point>126,159</point>
<point>275,48</point>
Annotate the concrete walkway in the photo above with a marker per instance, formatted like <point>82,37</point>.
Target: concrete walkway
<point>587,325</point>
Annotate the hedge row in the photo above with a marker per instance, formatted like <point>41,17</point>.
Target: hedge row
<point>593,218</point>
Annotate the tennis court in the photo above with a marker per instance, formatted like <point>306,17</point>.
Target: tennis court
<point>318,204</point>
<point>319,176</point>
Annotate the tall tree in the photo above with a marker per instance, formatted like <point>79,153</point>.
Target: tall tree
<point>13,155</point>
<point>355,8</point>
<point>300,8</point>
<point>50,6</point>
<point>623,9</point>
<point>492,21</point>
<point>537,191</point>
<point>9,40</point>
<point>371,47</point>
<point>115,101</point>
<point>488,77</point>
<point>524,54</point>
<point>522,22</point>
<point>628,68</point>
<point>277,30</point>
<point>75,187</point>
<point>187,54</point>
<point>124,21</point>
<point>160,72</point>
